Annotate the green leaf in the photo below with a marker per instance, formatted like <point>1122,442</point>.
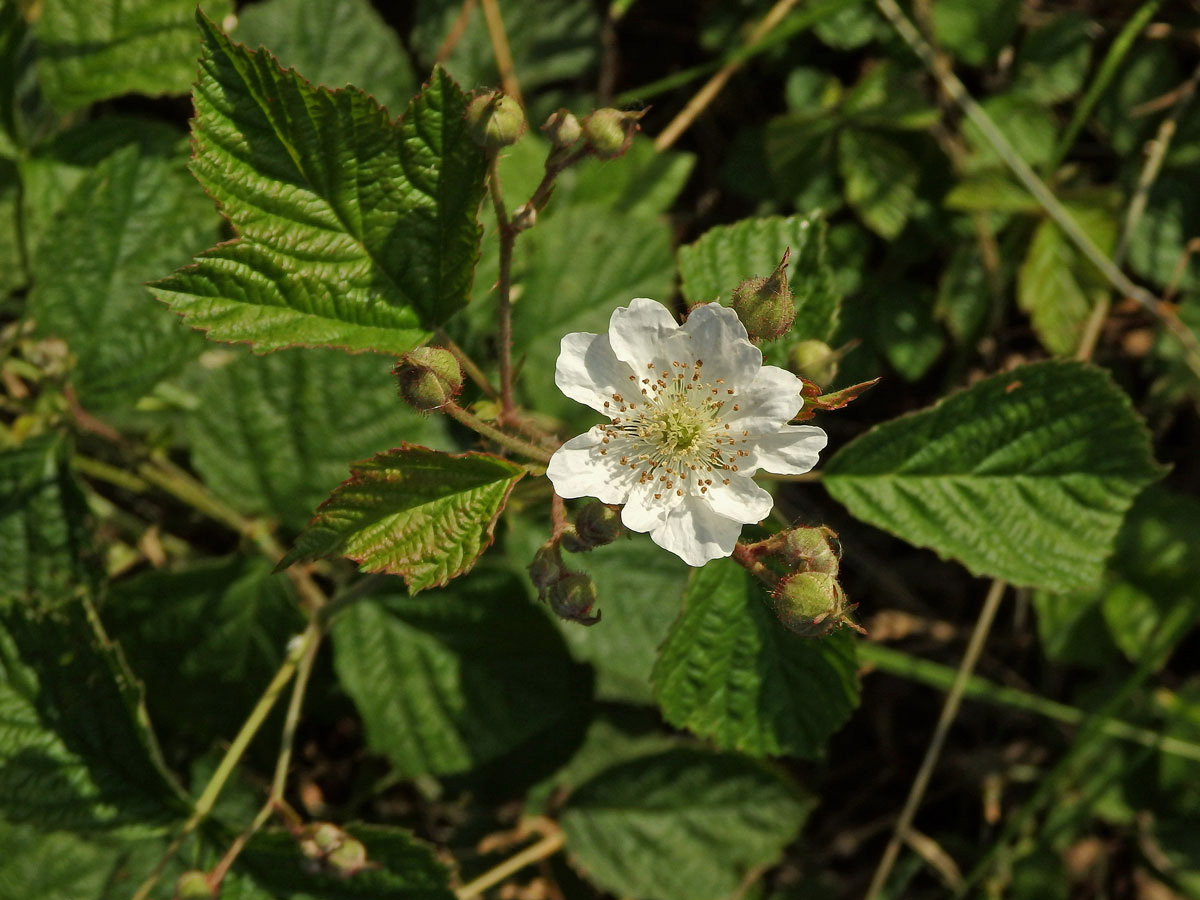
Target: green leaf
<point>353,231</point>
<point>89,52</point>
<point>76,752</point>
<point>1029,126</point>
<point>639,586</point>
<point>332,44</point>
<point>214,633</point>
<point>454,679</point>
<point>850,27</point>
<point>404,869</point>
<point>412,511</point>
<point>273,435</point>
<point>1160,240</point>
<point>54,866</point>
<point>45,539</point>
<point>642,182</point>
<point>549,42</point>
<point>990,190</point>
<point>12,266</point>
<point>1154,568</point>
<point>1057,286</point>
<point>730,672</point>
<point>1052,60</point>
<point>725,256</point>
<point>681,824</point>
<point>973,31</point>
<point>1071,629</point>
<point>127,220</point>
<point>964,297</point>
<point>906,331</point>
<point>1024,476</point>
<point>881,180</point>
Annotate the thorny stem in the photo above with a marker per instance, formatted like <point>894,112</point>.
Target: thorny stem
<point>207,799</point>
<point>491,432</point>
<point>558,517</point>
<point>508,237</point>
<point>547,846</point>
<point>949,711</point>
<point>525,215</point>
<point>1032,183</point>
<point>748,561</point>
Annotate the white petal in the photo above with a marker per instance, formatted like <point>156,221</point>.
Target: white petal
<point>741,500</point>
<point>696,534</point>
<point>642,512</point>
<point>767,403</point>
<point>587,370</point>
<point>577,469</point>
<point>792,450</point>
<point>636,332</point>
<point>719,339</point>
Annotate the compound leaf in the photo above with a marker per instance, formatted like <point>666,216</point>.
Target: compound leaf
<point>354,231</point>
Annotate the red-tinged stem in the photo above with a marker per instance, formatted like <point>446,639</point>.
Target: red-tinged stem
<point>492,433</point>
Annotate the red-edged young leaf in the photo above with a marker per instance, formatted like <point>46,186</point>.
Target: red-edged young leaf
<point>412,511</point>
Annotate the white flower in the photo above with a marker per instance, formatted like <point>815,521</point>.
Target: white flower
<point>694,414</point>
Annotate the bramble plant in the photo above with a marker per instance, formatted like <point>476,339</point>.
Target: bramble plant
<point>391,498</point>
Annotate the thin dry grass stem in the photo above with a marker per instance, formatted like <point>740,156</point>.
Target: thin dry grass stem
<point>457,30</point>
<point>547,846</point>
<point>501,50</point>
<point>713,86</point>
<point>900,831</point>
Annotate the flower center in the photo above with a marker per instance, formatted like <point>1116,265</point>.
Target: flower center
<point>674,432</point>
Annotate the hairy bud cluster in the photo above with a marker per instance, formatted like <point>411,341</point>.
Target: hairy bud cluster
<point>808,598</point>
<point>765,305</point>
<point>571,595</point>
<point>327,848</point>
<point>495,120</point>
<point>429,378</point>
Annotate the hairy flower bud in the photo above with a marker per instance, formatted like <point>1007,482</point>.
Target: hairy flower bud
<point>814,549</point>
<point>547,567</point>
<point>815,361</point>
<point>348,858</point>
<point>573,597</point>
<point>812,604</point>
<point>429,378</point>
<point>495,120</point>
<point>194,885</point>
<point>765,305</point>
<point>562,128</point>
<point>596,524</point>
<point>609,132</point>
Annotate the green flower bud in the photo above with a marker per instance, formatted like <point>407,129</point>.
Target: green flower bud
<point>429,378</point>
<point>814,360</point>
<point>348,859</point>
<point>547,567</point>
<point>812,604</point>
<point>765,305</point>
<point>596,524</point>
<point>495,120</point>
<point>609,132</point>
<point>812,549</point>
<point>194,885</point>
<point>562,128</point>
<point>573,597</point>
